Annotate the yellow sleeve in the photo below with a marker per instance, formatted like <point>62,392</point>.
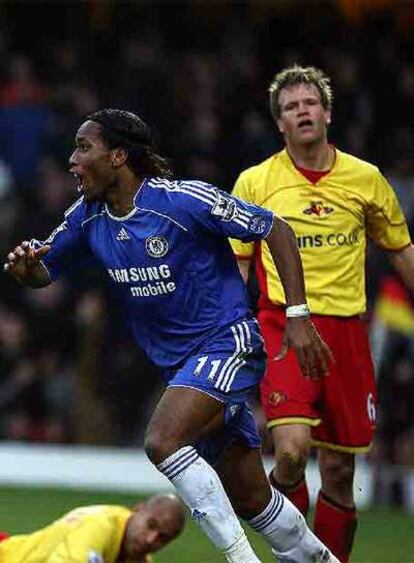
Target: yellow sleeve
<point>87,543</point>
<point>386,223</point>
<point>242,250</point>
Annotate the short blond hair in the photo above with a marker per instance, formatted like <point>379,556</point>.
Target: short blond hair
<point>294,75</point>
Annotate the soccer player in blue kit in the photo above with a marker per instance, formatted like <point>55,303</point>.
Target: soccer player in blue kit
<point>163,244</point>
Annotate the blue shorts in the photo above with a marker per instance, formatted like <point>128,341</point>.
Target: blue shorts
<point>228,368</point>
<point>240,426</point>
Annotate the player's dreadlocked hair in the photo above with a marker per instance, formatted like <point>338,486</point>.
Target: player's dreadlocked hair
<point>124,129</point>
<point>294,75</point>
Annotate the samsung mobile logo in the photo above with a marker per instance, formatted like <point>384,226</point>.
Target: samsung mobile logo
<point>151,280</point>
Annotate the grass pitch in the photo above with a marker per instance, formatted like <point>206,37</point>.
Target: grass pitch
<point>384,536</point>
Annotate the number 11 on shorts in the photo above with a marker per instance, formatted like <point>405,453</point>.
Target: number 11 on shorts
<point>214,366</point>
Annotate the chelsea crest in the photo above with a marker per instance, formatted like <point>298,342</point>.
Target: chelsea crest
<point>156,246</point>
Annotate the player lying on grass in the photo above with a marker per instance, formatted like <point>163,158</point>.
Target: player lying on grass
<point>164,247</point>
<point>101,534</point>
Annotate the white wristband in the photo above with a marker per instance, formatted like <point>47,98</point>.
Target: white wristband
<point>297,311</point>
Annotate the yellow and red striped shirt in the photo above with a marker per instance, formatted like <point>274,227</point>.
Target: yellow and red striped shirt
<point>331,219</point>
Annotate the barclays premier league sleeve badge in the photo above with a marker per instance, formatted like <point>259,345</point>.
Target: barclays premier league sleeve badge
<point>224,208</point>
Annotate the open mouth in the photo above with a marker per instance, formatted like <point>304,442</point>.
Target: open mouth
<point>80,185</point>
<point>305,124</point>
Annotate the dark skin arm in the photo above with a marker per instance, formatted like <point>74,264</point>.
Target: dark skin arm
<point>24,264</point>
<point>285,253</point>
<point>300,334</point>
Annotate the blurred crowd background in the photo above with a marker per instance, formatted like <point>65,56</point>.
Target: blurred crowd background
<point>197,73</point>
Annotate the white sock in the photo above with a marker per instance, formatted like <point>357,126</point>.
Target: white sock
<point>241,551</point>
<point>285,529</point>
<point>200,488</point>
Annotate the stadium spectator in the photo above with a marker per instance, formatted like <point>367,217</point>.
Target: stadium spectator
<point>189,312</point>
<point>35,389</point>
<point>333,202</point>
<point>24,120</point>
<point>101,533</point>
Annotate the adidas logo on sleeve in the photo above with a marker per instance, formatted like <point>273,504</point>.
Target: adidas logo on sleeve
<point>122,235</point>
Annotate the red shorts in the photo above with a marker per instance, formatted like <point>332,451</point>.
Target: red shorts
<point>341,406</point>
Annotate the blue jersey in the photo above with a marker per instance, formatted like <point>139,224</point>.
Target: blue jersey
<point>169,260</point>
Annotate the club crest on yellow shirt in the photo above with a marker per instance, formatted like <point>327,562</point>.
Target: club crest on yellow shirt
<point>277,397</point>
<point>318,209</point>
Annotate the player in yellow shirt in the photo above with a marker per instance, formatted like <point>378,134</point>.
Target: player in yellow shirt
<point>333,201</point>
<point>101,534</point>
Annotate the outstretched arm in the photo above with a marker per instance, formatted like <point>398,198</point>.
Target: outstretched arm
<point>300,334</point>
<point>25,265</point>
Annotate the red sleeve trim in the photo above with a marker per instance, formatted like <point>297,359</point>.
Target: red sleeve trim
<point>243,257</point>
